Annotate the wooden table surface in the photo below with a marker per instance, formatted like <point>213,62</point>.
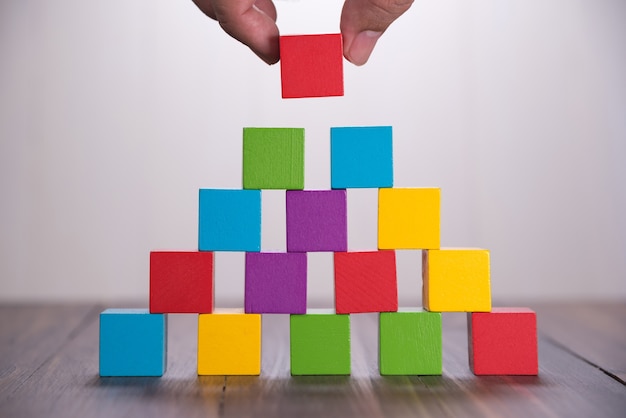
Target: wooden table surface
<point>49,367</point>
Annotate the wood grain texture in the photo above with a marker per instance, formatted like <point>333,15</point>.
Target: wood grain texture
<point>62,380</point>
<point>32,335</point>
<point>311,65</point>
<point>589,331</point>
<point>365,282</point>
<point>181,282</point>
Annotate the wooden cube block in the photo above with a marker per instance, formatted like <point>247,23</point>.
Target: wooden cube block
<point>273,158</point>
<point>361,157</point>
<point>181,282</point>
<point>311,65</point>
<point>133,342</point>
<point>365,282</point>
<point>410,343</point>
<point>229,343</point>
<point>229,220</point>
<point>275,283</point>
<point>409,218</point>
<point>320,343</point>
<point>503,342</point>
<point>456,280</point>
<point>316,220</point>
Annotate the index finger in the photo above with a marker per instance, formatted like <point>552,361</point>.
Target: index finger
<point>252,22</point>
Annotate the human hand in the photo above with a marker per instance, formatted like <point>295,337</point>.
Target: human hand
<point>253,22</point>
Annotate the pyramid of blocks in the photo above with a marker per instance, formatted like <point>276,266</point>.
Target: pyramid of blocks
<point>501,341</point>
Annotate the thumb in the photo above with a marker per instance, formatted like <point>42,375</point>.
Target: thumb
<point>364,21</point>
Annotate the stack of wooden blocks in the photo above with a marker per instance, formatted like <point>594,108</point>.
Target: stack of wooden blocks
<point>501,340</point>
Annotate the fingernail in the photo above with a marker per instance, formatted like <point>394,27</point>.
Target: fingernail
<point>362,46</point>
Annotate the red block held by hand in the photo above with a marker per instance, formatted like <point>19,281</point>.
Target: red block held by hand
<point>311,65</point>
<point>181,282</point>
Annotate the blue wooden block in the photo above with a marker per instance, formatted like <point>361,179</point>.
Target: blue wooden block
<point>361,157</point>
<point>133,342</point>
<point>229,220</point>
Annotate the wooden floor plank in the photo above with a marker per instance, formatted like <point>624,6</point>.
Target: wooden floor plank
<point>68,384</point>
<point>564,387</point>
<point>594,331</point>
<point>31,335</point>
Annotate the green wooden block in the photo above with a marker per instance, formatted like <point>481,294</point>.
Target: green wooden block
<point>273,158</point>
<point>320,343</point>
<point>410,343</point>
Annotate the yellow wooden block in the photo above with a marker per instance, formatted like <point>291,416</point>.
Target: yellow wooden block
<point>456,280</point>
<point>229,343</point>
<point>409,218</point>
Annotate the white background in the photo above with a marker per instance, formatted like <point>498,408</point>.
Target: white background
<point>114,113</point>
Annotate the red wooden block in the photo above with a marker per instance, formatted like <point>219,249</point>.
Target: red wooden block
<point>365,282</point>
<point>503,342</point>
<point>181,282</point>
<point>311,65</point>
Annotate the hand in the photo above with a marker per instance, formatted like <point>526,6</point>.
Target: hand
<point>253,22</point>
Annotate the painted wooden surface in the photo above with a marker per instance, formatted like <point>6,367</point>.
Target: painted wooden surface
<point>365,281</point>
<point>181,281</point>
<point>311,65</point>
<point>229,220</point>
<point>361,157</point>
<point>409,218</point>
<point>275,283</point>
<point>410,343</point>
<point>229,342</point>
<point>133,342</point>
<point>49,367</point>
<point>273,158</point>
<point>503,342</point>
<point>316,220</point>
<point>319,343</point>
<point>456,280</point>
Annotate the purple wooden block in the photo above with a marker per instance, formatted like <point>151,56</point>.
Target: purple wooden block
<point>275,283</point>
<point>316,221</point>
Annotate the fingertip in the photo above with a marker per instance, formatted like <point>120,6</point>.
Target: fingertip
<point>359,49</point>
<point>253,23</point>
<point>269,59</point>
<point>364,21</point>
<point>268,51</point>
